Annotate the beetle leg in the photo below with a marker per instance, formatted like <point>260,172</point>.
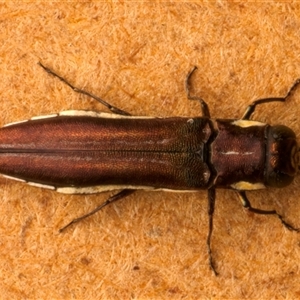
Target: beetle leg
<point>211,209</point>
<point>112,108</point>
<point>251,108</point>
<point>204,106</point>
<point>122,194</point>
<point>246,203</point>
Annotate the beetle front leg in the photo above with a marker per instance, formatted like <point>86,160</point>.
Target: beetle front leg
<point>112,108</point>
<point>246,203</point>
<point>251,108</point>
<point>122,194</point>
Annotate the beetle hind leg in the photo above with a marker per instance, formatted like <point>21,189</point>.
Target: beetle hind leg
<point>122,194</point>
<point>246,203</point>
<point>112,108</point>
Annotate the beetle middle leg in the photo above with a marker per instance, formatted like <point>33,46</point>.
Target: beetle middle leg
<point>112,108</point>
<point>246,203</point>
<point>204,106</point>
<point>114,198</point>
<point>251,108</point>
<point>211,209</point>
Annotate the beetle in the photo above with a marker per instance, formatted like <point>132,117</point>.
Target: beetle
<point>83,152</point>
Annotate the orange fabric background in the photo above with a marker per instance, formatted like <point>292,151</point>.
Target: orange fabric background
<point>136,56</point>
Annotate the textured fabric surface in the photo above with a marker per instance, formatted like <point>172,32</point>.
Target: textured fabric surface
<point>136,57</point>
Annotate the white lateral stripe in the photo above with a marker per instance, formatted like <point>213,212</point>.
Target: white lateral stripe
<point>247,123</point>
<point>87,113</point>
<point>99,189</point>
<point>94,114</point>
<point>80,113</point>
<point>93,189</point>
<point>44,117</point>
<point>15,123</point>
<point>246,186</point>
<point>13,178</point>
<point>40,185</point>
<point>44,186</point>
